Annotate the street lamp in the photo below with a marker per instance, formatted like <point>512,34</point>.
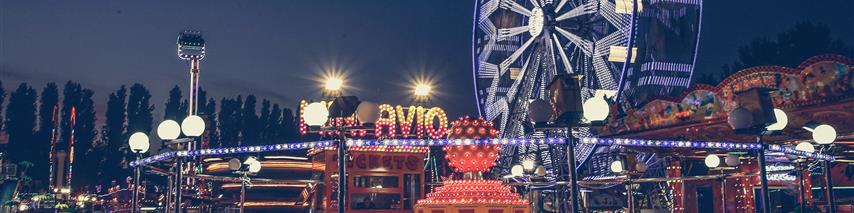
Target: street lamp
<point>138,144</point>
<point>250,166</point>
<point>317,114</point>
<point>825,135</point>
<point>169,130</point>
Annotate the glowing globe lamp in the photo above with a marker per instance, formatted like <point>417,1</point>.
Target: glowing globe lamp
<point>713,161</point>
<point>824,134</point>
<point>193,126</point>
<point>138,142</point>
<point>782,120</point>
<point>596,109</point>
<point>617,166</point>
<point>316,114</point>
<point>168,130</point>
<point>805,147</point>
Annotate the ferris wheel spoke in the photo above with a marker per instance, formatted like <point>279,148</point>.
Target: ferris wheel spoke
<point>584,45</point>
<point>487,50</point>
<point>560,5</point>
<point>535,3</point>
<point>578,11</point>
<point>506,63</point>
<point>563,57</point>
<point>487,9</point>
<point>603,73</point>
<point>525,69</point>
<point>604,44</point>
<point>505,33</point>
<point>608,11</point>
<point>515,7</point>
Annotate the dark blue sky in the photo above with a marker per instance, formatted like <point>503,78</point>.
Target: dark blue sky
<point>278,49</point>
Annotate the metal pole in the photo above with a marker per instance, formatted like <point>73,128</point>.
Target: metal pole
<point>573,176</point>
<point>170,188</point>
<point>178,183</point>
<point>802,190</point>
<point>135,202</point>
<point>763,177</point>
<point>342,175</point>
<point>630,196</point>
<point>723,192</point>
<point>242,192</point>
<point>828,178</point>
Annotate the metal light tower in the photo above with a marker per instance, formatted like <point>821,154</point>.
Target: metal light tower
<point>191,47</point>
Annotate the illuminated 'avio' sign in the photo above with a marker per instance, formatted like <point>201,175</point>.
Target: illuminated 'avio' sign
<point>394,122</point>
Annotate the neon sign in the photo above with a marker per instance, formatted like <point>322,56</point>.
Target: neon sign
<point>393,122</point>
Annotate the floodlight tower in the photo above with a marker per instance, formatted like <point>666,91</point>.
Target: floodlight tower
<point>191,47</point>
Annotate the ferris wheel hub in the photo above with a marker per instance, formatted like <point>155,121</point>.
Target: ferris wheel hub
<point>536,22</point>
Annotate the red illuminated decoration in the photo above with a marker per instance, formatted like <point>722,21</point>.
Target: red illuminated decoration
<point>472,158</point>
<point>473,194</point>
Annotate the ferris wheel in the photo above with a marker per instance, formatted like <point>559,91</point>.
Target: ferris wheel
<point>520,45</point>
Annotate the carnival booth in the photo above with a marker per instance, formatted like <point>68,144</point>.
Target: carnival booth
<point>380,179</point>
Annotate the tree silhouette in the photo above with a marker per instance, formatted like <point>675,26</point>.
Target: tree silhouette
<point>788,48</point>
<point>21,122</point>
<point>176,106</point>
<point>249,128</point>
<point>113,136</point>
<point>139,110</point>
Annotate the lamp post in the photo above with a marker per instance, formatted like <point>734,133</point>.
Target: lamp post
<point>138,144</point>
<point>825,135</point>
<point>250,166</point>
<point>169,131</point>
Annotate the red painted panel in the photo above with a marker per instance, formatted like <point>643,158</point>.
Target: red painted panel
<point>466,211</point>
<point>437,211</point>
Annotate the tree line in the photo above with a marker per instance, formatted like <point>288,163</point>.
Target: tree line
<point>33,121</point>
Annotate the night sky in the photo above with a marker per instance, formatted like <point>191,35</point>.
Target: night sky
<point>280,49</point>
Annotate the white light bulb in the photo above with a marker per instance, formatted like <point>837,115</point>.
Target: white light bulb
<point>255,167</point>
<point>316,114</point>
<point>528,164</point>
<point>824,134</point>
<point>596,109</point>
<point>516,170</point>
<point>782,120</point>
<point>805,147</point>
<point>168,130</point>
<point>617,166</point>
<point>193,126</point>
<point>713,161</point>
<point>138,142</point>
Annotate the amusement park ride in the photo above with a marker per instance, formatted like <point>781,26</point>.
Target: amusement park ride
<point>570,89</point>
